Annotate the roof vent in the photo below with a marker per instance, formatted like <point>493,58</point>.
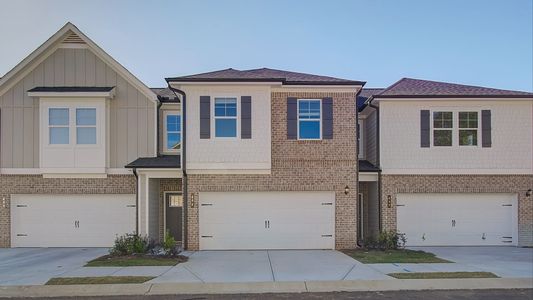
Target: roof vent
<point>73,38</point>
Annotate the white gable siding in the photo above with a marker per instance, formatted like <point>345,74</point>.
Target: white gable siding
<point>131,120</point>
<point>229,154</point>
<point>511,151</point>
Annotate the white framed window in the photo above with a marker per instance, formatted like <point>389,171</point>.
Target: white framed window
<point>442,128</point>
<point>468,128</point>
<point>360,138</point>
<point>225,117</point>
<point>172,129</point>
<point>309,119</point>
<point>86,126</point>
<point>58,126</point>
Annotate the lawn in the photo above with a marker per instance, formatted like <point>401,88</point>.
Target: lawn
<point>443,275</point>
<point>135,260</point>
<point>98,280</point>
<point>393,256</point>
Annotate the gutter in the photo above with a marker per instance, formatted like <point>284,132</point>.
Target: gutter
<point>378,160</point>
<point>183,160</point>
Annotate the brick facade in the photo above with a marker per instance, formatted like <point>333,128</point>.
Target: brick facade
<point>519,184</point>
<point>326,165</point>
<point>36,184</point>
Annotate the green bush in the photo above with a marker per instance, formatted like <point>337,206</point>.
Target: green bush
<point>169,244</point>
<point>386,240</point>
<point>130,244</point>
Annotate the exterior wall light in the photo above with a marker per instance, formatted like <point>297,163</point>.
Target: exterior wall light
<point>4,202</point>
<point>528,193</point>
<point>389,201</point>
<point>192,200</point>
<point>346,190</point>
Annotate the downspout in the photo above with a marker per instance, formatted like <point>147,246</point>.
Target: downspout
<point>158,113</point>
<point>358,242</point>
<point>136,200</point>
<point>378,161</point>
<point>183,161</point>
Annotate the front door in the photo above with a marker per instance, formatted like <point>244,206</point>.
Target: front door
<point>174,215</point>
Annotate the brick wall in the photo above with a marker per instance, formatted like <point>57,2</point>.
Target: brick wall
<point>326,165</point>
<point>519,184</point>
<point>36,184</point>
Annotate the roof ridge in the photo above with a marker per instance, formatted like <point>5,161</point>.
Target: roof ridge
<point>465,85</point>
<point>391,86</point>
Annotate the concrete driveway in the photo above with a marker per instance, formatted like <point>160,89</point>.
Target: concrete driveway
<point>34,266</point>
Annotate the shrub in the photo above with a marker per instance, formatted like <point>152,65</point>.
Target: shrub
<point>386,240</point>
<point>129,244</point>
<point>169,244</point>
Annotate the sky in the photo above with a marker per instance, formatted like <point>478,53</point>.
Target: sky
<point>477,42</point>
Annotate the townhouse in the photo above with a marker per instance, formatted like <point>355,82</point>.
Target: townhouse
<point>254,159</point>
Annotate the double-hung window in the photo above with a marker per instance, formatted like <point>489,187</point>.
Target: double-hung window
<point>226,117</point>
<point>58,124</point>
<point>442,128</point>
<point>309,119</point>
<point>172,131</point>
<point>468,126</point>
<point>86,126</point>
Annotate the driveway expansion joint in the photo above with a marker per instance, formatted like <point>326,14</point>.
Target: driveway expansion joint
<point>271,268</point>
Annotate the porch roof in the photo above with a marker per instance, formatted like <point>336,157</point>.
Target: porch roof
<point>163,161</point>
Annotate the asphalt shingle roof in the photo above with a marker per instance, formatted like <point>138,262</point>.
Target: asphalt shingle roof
<point>166,93</point>
<point>265,74</point>
<point>409,87</point>
<point>366,166</point>
<point>69,89</point>
<point>164,161</point>
<point>364,95</point>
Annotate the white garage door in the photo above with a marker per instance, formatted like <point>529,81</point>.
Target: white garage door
<point>458,219</point>
<point>267,220</point>
<point>70,220</point>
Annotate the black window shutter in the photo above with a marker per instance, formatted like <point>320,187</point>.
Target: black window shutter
<point>205,117</point>
<point>246,117</point>
<point>327,118</point>
<point>292,118</point>
<point>424,128</point>
<point>486,129</point>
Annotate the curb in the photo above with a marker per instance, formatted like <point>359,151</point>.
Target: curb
<point>262,287</point>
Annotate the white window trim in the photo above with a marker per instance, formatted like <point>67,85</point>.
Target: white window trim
<point>165,131</point>
<point>73,126</point>
<point>455,127</point>
<point>76,126</point>
<point>360,137</point>
<point>307,120</point>
<point>68,126</point>
<point>237,119</point>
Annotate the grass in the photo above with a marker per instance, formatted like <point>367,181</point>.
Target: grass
<point>135,260</point>
<point>98,280</point>
<point>393,256</point>
<point>443,275</point>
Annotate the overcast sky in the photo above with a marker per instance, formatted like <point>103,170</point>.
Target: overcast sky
<point>478,42</point>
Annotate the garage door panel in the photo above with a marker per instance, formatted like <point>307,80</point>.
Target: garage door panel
<point>457,219</point>
<point>70,220</point>
<point>237,220</point>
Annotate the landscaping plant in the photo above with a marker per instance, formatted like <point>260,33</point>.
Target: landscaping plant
<point>386,240</point>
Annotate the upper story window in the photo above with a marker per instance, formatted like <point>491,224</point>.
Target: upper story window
<point>172,131</point>
<point>86,126</point>
<point>226,117</point>
<point>442,128</point>
<point>309,119</point>
<point>360,139</point>
<point>468,126</point>
<point>58,124</point>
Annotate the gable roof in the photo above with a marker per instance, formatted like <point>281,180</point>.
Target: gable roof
<point>72,34</point>
<point>164,93</point>
<point>417,88</point>
<point>264,75</point>
<point>364,95</point>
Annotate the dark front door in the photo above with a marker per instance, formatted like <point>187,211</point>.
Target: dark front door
<point>174,215</point>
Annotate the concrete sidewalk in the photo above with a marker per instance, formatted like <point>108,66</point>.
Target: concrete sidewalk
<point>263,287</point>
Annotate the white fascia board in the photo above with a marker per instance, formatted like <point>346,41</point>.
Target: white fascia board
<point>368,176</point>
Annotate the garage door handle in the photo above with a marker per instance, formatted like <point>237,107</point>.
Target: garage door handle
<point>21,234</point>
<point>400,204</point>
<point>133,205</point>
<point>207,236</point>
<point>20,205</point>
<point>327,203</point>
<point>327,235</point>
<point>206,204</point>
<point>507,205</point>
